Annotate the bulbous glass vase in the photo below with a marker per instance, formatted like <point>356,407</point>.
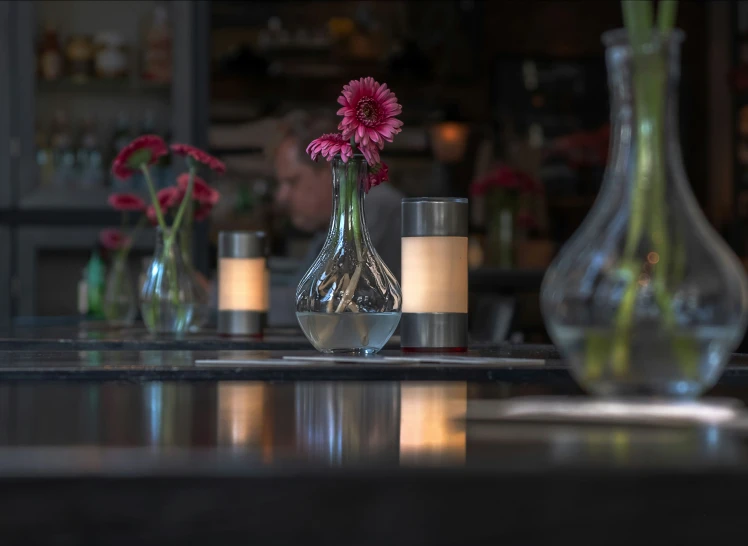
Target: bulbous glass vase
<point>645,298</point>
<point>348,301</point>
<point>167,295</point>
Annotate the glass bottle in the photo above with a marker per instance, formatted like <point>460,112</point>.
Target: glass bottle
<point>89,161</point>
<point>50,55</point>
<point>348,301</point>
<point>95,279</point>
<point>645,298</point>
<point>166,297</point>
<point>63,153</point>
<point>120,303</point>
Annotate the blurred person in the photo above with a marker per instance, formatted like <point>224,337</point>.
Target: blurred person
<point>304,192</point>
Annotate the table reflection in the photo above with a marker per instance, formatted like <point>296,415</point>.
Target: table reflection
<point>429,421</point>
<point>341,422</point>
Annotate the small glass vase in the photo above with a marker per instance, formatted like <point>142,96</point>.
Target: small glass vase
<point>167,298</point>
<point>645,298</point>
<point>348,301</point>
<point>120,302</point>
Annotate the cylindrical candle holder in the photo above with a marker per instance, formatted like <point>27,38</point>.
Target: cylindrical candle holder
<point>434,274</point>
<point>242,283</point>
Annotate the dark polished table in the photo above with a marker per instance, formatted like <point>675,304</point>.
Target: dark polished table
<point>146,446</point>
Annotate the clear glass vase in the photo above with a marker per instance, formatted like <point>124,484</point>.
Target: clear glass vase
<point>348,301</point>
<point>645,298</point>
<point>120,302</point>
<point>167,298</point>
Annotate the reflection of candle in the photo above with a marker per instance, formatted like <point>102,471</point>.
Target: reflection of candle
<point>240,414</point>
<point>428,415</point>
<point>434,274</point>
<point>242,283</point>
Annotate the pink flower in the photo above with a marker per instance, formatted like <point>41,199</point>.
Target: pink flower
<point>113,239</point>
<point>167,198</point>
<point>144,150</point>
<point>328,146</point>
<point>201,191</point>
<point>371,153</point>
<point>377,174</point>
<point>185,150</point>
<point>202,212</point>
<point>127,202</point>
<point>369,111</point>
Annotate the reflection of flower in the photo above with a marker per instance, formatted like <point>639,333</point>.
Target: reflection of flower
<point>113,239</point>
<point>143,151</point>
<point>369,110</point>
<point>328,146</point>
<point>200,156</point>
<point>377,174</point>
<point>126,202</point>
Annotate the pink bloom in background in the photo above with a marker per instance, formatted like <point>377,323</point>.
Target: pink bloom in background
<point>185,150</point>
<point>127,202</point>
<point>113,239</point>
<point>369,110</point>
<point>377,174</point>
<point>201,191</point>
<point>328,146</point>
<point>144,150</point>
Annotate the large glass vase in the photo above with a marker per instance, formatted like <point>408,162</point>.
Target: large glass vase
<point>348,301</point>
<point>645,298</point>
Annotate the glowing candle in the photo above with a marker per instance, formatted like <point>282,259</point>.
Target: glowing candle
<point>434,274</point>
<point>242,283</point>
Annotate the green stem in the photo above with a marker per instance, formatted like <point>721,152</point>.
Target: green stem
<point>154,197</point>
<point>187,198</point>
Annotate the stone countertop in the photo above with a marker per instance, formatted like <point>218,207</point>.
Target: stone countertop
<point>365,463</point>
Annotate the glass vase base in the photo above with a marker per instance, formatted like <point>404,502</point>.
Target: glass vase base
<point>348,333</point>
<point>652,362</point>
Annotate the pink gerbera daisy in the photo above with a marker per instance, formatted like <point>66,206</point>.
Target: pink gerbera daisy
<point>328,146</point>
<point>369,110</point>
<point>377,174</point>
<point>201,191</point>
<point>125,202</point>
<point>144,150</point>
<point>371,153</point>
<point>203,211</point>
<point>185,150</point>
<point>113,239</point>
<point>167,198</point>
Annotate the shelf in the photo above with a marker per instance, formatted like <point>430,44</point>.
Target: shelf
<point>105,87</point>
<point>94,199</point>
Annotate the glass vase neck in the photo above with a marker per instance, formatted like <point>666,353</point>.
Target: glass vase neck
<point>348,220</point>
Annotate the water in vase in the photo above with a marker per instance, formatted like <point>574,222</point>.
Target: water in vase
<point>358,333</point>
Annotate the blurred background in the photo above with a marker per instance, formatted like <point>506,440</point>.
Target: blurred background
<point>482,84</point>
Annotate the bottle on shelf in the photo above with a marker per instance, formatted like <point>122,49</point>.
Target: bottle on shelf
<point>50,59</point>
<point>79,55</point>
<point>44,155</point>
<point>95,281</point>
<point>157,50</point>
<point>63,154</point>
<point>89,160</point>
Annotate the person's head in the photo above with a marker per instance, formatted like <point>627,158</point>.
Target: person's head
<point>304,190</point>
